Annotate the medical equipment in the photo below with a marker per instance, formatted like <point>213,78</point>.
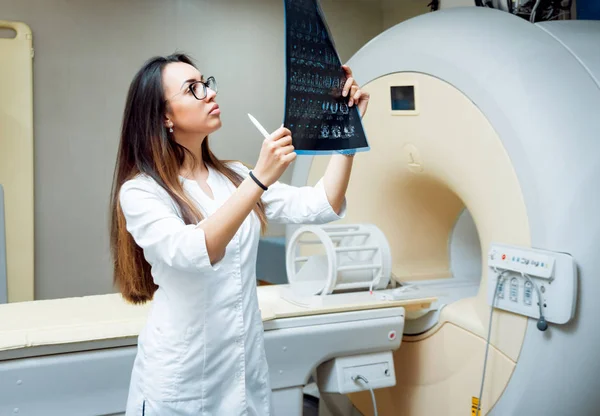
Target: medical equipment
<point>532,10</point>
<point>357,257</point>
<point>16,157</point>
<point>3,277</point>
<point>497,150</point>
<point>532,286</point>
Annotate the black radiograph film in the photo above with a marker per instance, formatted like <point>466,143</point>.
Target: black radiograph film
<point>316,113</point>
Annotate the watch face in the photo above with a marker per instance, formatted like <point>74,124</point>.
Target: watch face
<point>318,116</point>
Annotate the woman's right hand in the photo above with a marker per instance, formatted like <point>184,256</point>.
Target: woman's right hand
<point>275,156</point>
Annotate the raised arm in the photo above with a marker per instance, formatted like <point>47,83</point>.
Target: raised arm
<point>326,201</point>
<point>276,154</point>
<point>337,174</point>
<point>157,228</point>
<point>295,204</point>
<point>335,180</point>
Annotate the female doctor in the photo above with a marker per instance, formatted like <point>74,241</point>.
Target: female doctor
<point>185,230</point>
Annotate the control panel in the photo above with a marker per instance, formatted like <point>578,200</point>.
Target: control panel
<point>339,375</point>
<point>533,282</point>
<point>528,262</point>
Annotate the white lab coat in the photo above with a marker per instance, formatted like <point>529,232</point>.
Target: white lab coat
<point>201,351</point>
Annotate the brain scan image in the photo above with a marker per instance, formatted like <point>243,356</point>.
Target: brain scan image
<point>318,116</point>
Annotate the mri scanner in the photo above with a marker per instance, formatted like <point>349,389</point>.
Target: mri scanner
<point>477,198</point>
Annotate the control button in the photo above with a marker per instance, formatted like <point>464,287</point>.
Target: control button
<point>527,295</point>
<point>504,257</point>
<point>392,335</point>
<point>514,289</point>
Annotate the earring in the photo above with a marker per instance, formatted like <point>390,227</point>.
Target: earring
<point>171,129</point>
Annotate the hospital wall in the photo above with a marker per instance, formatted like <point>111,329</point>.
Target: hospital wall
<point>394,12</point>
<point>86,53</point>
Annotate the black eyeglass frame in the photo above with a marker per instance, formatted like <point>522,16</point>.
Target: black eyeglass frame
<point>205,86</point>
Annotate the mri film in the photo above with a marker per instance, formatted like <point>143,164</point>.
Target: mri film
<point>318,116</point>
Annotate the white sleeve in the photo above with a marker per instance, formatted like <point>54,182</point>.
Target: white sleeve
<point>297,205</point>
<point>158,229</point>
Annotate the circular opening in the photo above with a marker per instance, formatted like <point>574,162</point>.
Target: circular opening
<point>308,266</point>
<point>433,237</point>
<point>465,249</point>
<point>436,248</point>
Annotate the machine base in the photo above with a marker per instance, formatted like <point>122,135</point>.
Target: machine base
<point>96,381</point>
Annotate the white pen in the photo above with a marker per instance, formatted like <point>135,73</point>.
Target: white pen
<point>258,126</point>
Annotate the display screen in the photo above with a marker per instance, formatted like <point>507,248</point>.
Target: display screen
<point>403,98</point>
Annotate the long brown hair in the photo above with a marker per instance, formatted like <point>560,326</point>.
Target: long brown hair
<point>147,148</point>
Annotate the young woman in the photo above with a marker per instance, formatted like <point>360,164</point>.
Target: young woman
<point>185,231</point>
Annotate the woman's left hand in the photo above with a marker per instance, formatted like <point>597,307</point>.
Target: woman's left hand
<point>357,96</point>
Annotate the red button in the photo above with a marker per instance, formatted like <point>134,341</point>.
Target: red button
<point>504,257</point>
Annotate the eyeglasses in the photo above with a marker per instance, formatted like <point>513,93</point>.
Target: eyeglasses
<point>198,88</point>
